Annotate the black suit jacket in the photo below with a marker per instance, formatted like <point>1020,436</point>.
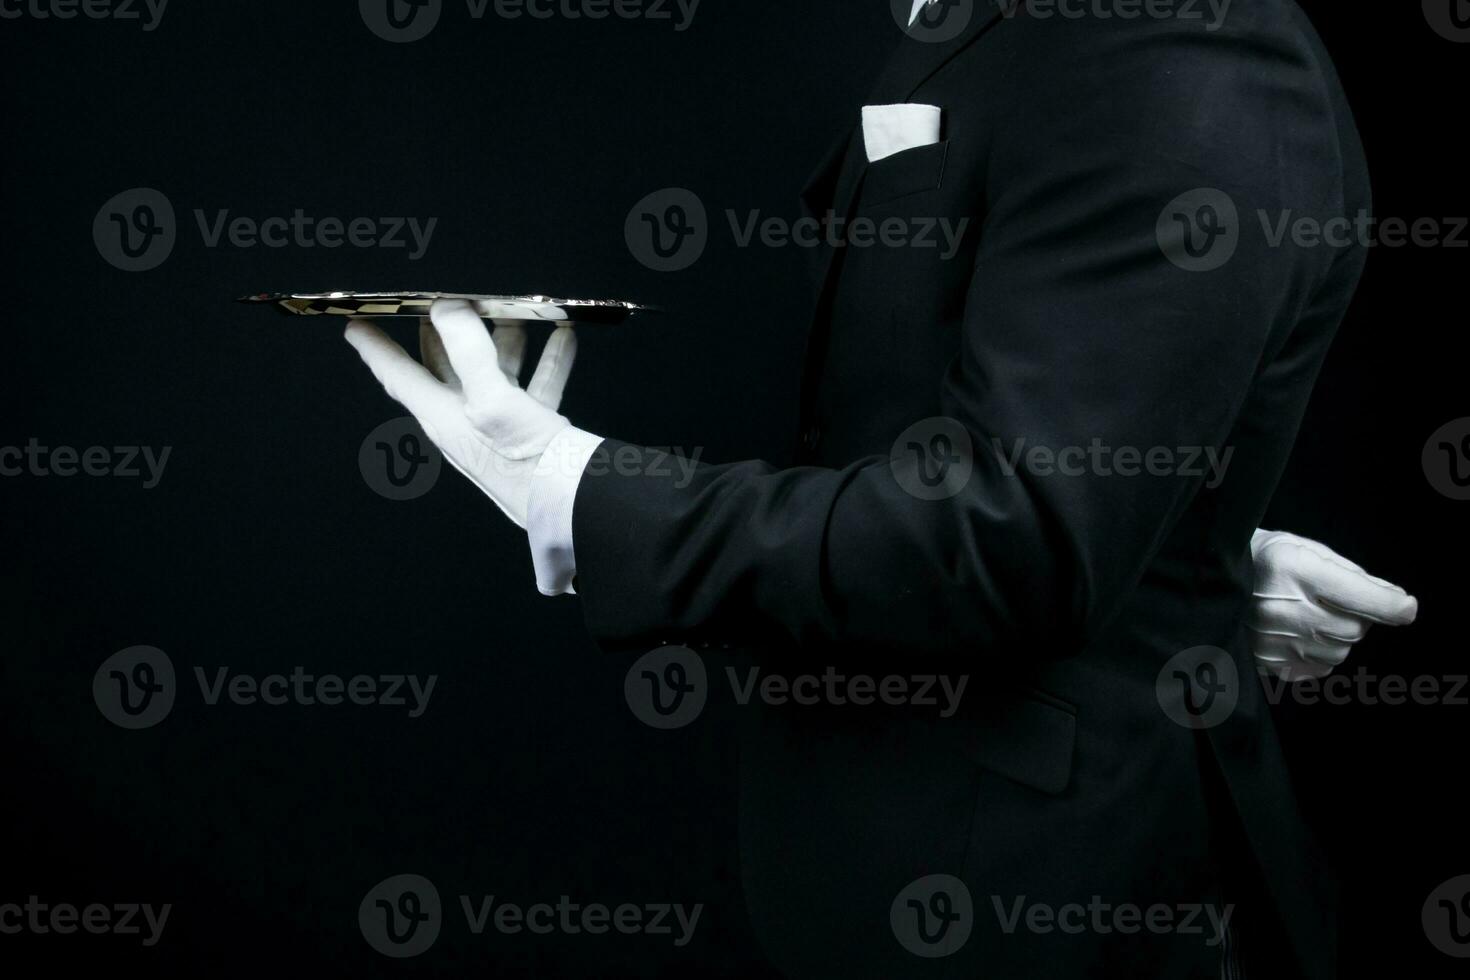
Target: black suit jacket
<point>1072,313</point>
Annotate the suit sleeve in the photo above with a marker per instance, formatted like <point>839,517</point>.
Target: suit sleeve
<point>1078,331</point>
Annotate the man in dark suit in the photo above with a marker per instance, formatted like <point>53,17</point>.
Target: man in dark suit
<point>992,482</point>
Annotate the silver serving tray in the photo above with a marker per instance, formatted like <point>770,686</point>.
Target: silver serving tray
<point>502,309</point>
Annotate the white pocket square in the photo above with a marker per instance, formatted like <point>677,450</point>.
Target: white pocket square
<point>890,129</point>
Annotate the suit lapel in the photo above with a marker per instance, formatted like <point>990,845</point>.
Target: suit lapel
<point>909,67</point>
<point>918,57</point>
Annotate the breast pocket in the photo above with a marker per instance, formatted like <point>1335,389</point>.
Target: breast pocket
<point>909,172</point>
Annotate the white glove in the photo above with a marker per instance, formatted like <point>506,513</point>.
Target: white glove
<point>1311,605</point>
<point>472,406</point>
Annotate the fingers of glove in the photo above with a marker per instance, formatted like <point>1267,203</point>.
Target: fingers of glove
<point>555,367</point>
<point>1322,551</point>
<point>1279,565</point>
<point>1332,626</point>
<point>1305,621</point>
<point>1305,631</point>
<point>405,380</point>
<point>1327,653</point>
<point>510,345</point>
<point>433,354</point>
<point>1355,592</point>
<point>1282,615</point>
<point>1290,565</point>
<point>1282,547</point>
<point>468,344</point>
<point>1287,657</point>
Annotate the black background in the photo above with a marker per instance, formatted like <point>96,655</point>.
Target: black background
<point>263,548</point>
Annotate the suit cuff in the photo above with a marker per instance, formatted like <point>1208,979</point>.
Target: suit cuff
<point>549,510</point>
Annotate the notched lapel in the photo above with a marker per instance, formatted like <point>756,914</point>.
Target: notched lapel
<point>917,57</point>
<point>909,67</point>
<point>834,184</point>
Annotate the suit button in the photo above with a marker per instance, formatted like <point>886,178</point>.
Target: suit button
<point>811,438</point>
